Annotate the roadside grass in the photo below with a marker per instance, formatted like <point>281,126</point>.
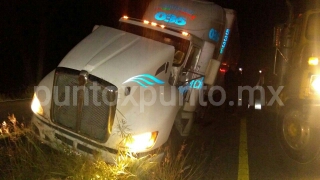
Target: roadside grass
<point>23,157</point>
<point>26,93</point>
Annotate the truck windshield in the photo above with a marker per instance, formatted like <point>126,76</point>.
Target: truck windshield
<point>181,45</point>
<point>313,27</point>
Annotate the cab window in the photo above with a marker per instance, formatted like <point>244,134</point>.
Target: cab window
<point>193,59</point>
<point>313,27</point>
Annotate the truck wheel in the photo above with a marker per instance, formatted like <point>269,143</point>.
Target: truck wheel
<point>297,137</point>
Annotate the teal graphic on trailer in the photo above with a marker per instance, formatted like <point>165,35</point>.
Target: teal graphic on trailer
<point>225,39</point>
<point>214,35</point>
<point>170,18</point>
<point>194,84</point>
<point>165,14</point>
<point>144,80</point>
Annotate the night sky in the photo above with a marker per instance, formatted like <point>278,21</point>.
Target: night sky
<point>35,34</point>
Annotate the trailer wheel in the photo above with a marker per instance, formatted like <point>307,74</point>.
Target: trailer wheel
<point>297,137</point>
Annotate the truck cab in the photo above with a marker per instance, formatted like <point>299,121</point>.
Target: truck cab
<point>296,71</point>
<point>124,88</point>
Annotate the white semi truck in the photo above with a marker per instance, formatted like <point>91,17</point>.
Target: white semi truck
<point>135,81</point>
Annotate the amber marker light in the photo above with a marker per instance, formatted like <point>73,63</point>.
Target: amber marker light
<point>146,22</point>
<point>185,33</point>
<point>125,17</point>
<point>153,24</point>
<point>313,61</point>
<point>162,26</point>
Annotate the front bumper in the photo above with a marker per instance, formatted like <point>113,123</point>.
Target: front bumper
<point>59,138</point>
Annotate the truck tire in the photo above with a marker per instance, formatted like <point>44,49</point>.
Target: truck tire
<point>298,138</point>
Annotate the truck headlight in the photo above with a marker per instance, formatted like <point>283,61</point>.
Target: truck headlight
<point>36,106</point>
<point>315,84</point>
<point>313,61</point>
<point>141,141</point>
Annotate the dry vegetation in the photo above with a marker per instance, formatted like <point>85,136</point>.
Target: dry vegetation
<point>22,157</point>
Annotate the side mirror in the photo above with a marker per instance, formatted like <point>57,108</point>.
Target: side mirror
<point>178,58</point>
<point>176,68</point>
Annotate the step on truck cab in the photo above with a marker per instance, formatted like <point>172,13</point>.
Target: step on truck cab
<point>134,81</point>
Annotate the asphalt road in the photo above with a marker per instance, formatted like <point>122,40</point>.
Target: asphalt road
<point>215,140</point>
<point>266,158</point>
<point>219,132</point>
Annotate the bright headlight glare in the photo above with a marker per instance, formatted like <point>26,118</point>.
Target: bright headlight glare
<point>313,61</point>
<point>36,106</point>
<point>315,83</point>
<point>142,141</point>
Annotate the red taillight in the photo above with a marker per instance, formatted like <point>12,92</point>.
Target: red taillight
<point>223,70</point>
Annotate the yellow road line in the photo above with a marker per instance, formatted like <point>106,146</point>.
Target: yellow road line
<point>243,169</point>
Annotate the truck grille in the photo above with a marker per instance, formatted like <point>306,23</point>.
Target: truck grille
<point>83,103</point>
